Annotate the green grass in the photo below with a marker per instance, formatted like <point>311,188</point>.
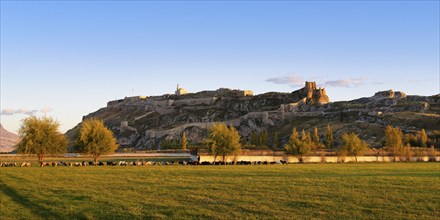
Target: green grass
<point>317,191</point>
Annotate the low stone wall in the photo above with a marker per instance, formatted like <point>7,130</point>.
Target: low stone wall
<point>195,102</point>
<point>313,159</point>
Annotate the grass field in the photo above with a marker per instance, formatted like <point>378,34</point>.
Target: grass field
<point>321,191</point>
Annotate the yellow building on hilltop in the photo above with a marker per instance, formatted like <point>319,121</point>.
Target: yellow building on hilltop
<point>180,91</point>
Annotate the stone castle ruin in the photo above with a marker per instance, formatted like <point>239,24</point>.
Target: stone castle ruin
<point>310,95</point>
<point>314,94</point>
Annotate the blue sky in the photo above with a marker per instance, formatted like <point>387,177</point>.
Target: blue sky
<point>67,59</point>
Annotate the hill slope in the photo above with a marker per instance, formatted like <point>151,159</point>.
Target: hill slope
<point>158,122</point>
<point>7,140</point>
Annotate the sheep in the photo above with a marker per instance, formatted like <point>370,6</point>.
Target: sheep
<point>10,164</point>
<point>246,162</point>
<point>195,163</point>
<point>122,163</point>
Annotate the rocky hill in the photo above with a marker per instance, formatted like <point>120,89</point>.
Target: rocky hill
<point>151,122</point>
<point>7,140</point>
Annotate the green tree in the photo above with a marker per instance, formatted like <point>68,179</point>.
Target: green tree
<point>169,143</point>
<point>407,152</point>
<point>394,141</point>
<point>353,145</point>
<point>436,135</point>
<point>223,140</point>
<point>255,139</point>
<point>315,137</point>
<point>276,142</point>
<point>423,138</point>
<point>297,147</point>
<point>259,139</point>
<point>264,139</point>
<point>407,139</point>
<point>316,142</point>
<point>40,136</point>
<point>329,138</point>
<point>95,139</point>
<point>184,141</point>
<point>306,138</point>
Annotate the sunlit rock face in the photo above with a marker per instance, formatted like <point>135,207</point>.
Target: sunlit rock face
<point>389,94</point>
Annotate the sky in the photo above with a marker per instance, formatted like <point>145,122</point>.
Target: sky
<point>66,59</point>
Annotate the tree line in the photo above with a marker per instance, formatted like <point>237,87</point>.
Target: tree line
<point>395,144</point>
<point>41,136</point>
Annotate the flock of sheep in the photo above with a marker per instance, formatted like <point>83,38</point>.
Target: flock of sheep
<point>13,164</point>
<point>137,163</point>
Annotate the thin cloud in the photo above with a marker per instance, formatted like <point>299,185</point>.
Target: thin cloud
<point>45,110</point>
<point>33,112</point>
<point>347,83</point>
<point>292,80</point>
<point>298,81</point>
<point>24,111</point>
<point>8,111</point>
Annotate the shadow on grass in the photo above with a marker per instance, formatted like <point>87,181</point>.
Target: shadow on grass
<point>36,209</point>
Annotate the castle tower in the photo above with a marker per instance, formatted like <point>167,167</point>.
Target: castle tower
<point>180,91</point>
<point>310,85</point>
<point>314,94</point>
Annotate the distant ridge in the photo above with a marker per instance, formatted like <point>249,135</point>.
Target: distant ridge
<point>8,140</point>
<point>158,122</point>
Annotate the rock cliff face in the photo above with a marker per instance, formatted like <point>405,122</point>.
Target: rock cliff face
<point>151,122</point>
<point>8,140</point>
